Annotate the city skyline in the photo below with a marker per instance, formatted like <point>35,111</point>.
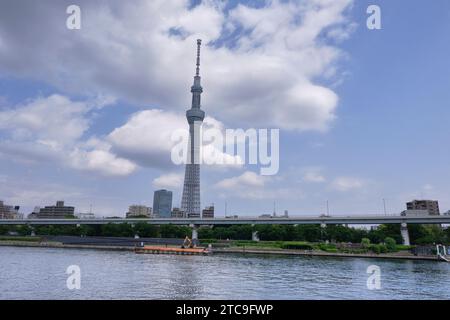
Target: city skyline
<point>413,207</point>
<point>352,131</point>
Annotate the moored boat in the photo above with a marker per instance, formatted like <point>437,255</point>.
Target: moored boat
<point>172,250</point>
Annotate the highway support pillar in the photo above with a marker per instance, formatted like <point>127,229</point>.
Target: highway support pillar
<point>194,234</point>
<point>405,234</point>
<point>32,231</point>
<point>323,229</point>
<point>255,235</point>
<point>136,234</point>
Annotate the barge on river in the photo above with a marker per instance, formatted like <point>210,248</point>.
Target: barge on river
<point>172,250</point>
<point>188,248</point>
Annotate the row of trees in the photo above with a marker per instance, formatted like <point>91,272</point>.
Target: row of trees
<point>107,230</point>
<point>419,234</point>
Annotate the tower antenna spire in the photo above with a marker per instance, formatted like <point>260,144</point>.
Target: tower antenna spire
<point>199,43</point>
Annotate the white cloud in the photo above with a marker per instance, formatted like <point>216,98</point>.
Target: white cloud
<point>313,175</point>
<point>254,187</point>
<point>101,161</point>
<point>52,128</point>
<point>169,181</point>
<point>347,183</point>
<point>55,128</point>
<point>54,120</point>
<point>143,52</point>
<point>247,179</point>
<point>146,138</point>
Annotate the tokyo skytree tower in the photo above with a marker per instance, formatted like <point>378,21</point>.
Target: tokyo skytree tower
<point>190,202</point>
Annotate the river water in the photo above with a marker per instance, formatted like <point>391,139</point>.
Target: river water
<point>40,273</point>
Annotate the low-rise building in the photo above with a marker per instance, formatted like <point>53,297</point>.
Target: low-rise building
<point>9,212</point>
<point>88,215</point>
<point>59,211</point>
<point>432,206</point>
<point>139,211</point>
<point>33,215</point>
<point>177,213</point>
<point>415,213</point>
<point>208,212</point>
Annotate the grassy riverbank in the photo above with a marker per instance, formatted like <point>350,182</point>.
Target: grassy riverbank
<point>311,246</point>
<point>401,255</point>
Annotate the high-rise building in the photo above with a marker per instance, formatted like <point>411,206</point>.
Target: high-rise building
<point>60,211</point>
<point>190,201</point>
<point>135,211</point>
<point>162,203</point>
<point>208,212</point>
<point>9,212</point>
<point>431,206</point>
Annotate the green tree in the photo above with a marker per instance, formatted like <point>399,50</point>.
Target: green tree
<point>339,233</point>
<point>426,234</point>
<point>447,235</point>
<point>311,233</point>
<point>383,231</point>
<point>146,230</point>
<point>365,242</point>
<point>390,243</point>
<point>4,230</point>
<point>93,230</point>
<point>117,230</point>
<point>206,233</point>
<point>172,231</point>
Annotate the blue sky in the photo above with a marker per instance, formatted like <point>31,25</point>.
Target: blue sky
<point>362,113</point>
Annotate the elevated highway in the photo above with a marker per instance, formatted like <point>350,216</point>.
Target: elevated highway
<point>243,220</point>
<point>194,223</point>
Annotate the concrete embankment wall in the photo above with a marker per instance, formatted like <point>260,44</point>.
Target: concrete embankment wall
<point>112,241</point>
<point>62,246</point>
